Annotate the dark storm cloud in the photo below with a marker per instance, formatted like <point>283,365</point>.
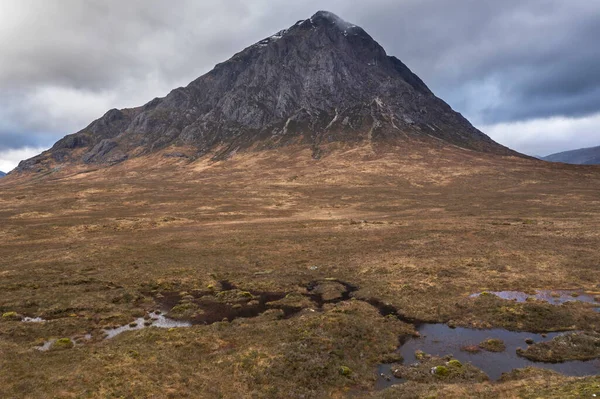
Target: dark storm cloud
<point>66,62</point>
<point>540,53</point>
<point>9,140</point>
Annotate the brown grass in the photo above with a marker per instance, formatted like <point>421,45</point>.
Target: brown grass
<point>419,228</point>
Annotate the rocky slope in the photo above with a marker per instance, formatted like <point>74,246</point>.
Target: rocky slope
<point>2,174</point>
<point>322,80</point>
<point>583,156</point>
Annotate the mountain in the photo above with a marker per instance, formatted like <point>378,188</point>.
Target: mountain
<point>583,156</point>
<point>2,174</point>
<point>321,81</point>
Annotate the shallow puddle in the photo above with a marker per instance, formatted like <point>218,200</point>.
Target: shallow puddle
<point>553,297</point>
<point>79,340</point>
<point>155,320</point>
<point>441,340</point>
<point>33,320</point>
<point>46,345</point>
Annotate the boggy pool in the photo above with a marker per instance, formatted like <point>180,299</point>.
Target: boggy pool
<point>441,340</point>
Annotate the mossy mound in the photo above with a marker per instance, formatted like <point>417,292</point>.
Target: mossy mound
<point>330,290</point>
<point>186,310</point>
<point>293,300</point>
<point>493,345</point>
<point>573,346</point>
<point>440,369</point>
<point>234,296</point>
<point>392,358</point>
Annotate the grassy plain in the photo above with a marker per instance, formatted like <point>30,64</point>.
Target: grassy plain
<point>419,229</point>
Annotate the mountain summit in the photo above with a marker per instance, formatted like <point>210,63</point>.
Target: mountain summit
<point>320,81</point>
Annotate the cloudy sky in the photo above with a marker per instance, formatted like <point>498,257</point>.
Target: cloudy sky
<point>526,72</point>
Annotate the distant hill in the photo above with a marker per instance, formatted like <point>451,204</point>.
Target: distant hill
<point>583,156</point>
<point>2,174</point>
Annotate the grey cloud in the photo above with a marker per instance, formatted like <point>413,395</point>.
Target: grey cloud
<point>10,140</point>
<point>540,52</point>
<point>68,62</point>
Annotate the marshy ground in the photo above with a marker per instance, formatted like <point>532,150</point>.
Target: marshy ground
<point>299,278</point>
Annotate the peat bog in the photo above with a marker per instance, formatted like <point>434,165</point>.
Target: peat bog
<point>311,292</point>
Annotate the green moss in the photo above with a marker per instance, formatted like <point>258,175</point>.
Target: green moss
<point>441,371</point>
<point>493,345</point>
<point>133,353</point>
<point>184,310</point>
<point>345,371</point>
<point>447,369</point>
<point>187,298</point>
<point>181,308</point>
<point>63,343</point>
<point>11,316</point>
<point>420,355</point>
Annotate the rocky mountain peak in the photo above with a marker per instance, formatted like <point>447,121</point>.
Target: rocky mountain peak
<point>322,80</point>
<point>326,17</point>
<point>321,20</point>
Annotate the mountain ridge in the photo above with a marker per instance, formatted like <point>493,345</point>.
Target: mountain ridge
<point>581,156</point>
<point>322,80</point>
